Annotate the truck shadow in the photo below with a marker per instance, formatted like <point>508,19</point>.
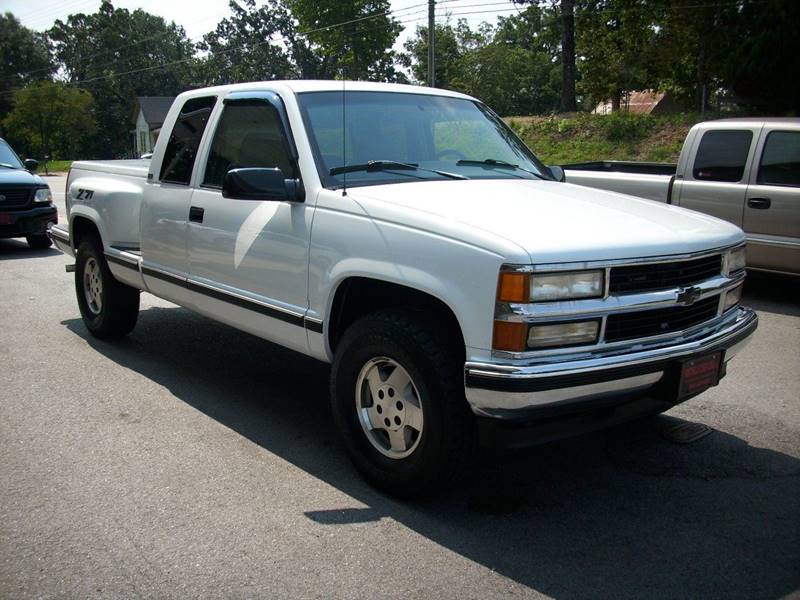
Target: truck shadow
<point>13,249</point>
<point>771,292</point>
<point>618,514</point>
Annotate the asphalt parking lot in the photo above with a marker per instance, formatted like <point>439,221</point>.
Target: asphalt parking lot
<point>192,460</point>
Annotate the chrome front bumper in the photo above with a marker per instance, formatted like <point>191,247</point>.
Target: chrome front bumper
<point>514,390</point>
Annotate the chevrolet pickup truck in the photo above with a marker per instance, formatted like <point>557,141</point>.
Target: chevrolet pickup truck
<point>746,171</point>
<point>26,204</point>
<point>462,295</point>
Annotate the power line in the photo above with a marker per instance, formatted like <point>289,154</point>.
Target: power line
<point>235,48</point>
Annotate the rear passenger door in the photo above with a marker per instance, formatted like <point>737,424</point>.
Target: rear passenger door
<point>165,206</point>
<point>715,183</point>
<point>772,209</point>
<point>248,259</point>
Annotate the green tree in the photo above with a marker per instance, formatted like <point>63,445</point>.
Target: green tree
<point>24,57</point>
<point>117,55</point>
<point>616,45</point>
<point>560,15</point>
<point>447,55</point>
<point>50,118</point>
<point>351,38</point>
<point>507,67</point>
<point>242,47</point>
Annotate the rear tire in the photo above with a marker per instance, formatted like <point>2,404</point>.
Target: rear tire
<point>412,438</point>
<point>109,308</point>
<point>39,241</point>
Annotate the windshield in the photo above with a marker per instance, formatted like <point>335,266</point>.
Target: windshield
<point>8,156</point>
<point>442,136</point>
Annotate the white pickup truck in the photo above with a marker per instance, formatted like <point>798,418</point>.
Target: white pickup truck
<point>462,294</point>
<point>746,171</point>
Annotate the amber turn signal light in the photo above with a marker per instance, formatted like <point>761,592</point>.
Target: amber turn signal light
<point>510,336</point>
<point>514,287</point>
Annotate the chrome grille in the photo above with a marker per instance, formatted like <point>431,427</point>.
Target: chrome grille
<point>645,323</point>
<point>662,276</point>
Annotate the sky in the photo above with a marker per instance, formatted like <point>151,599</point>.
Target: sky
<point>200,16</point>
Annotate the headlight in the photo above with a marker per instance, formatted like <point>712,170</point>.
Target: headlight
<point>733,297</point>
<point>736,260</point>
<point>517,336</point>
<point>547,287</point>
<point>563,334</point>
<point>43,195</point>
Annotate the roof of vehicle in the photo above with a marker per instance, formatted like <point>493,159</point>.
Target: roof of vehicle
<point>299,86</point>
<point>792,122</point>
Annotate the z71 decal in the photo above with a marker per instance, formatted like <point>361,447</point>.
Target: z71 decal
<point>84,194</point>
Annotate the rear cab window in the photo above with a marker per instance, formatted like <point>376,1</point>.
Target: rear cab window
<point>722,155</point>
<point>780,159</point>
<point>181,151</point>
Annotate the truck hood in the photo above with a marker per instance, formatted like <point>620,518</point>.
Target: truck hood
<point>553,222</point>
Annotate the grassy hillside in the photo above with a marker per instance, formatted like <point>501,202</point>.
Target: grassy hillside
<point>581,137</point>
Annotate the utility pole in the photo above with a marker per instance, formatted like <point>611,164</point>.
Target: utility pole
<point>431,42</point>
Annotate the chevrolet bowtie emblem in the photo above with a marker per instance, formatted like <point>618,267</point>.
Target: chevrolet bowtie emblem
<point>688,295</point>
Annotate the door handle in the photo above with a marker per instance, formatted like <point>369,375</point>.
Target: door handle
<point>196,214</point>
<point>759,203</point>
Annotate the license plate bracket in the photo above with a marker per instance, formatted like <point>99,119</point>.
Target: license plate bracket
<point>699,374</point>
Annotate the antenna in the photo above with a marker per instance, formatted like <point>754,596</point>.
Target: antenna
<point>344,137</point>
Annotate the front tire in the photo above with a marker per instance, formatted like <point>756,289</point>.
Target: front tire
<point>398,402</point>
<point>39,241</point>
<point>109,308</point>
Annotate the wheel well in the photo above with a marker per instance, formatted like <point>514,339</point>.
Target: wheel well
<point>81,229</point>
<point>358,296</point>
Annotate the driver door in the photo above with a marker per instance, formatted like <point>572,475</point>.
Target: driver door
<point>248,259</point>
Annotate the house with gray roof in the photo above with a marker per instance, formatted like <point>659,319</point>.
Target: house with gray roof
<point>148,116</point>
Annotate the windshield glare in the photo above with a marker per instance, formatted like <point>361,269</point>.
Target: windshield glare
<point>433,132</point>
<point>8,156</point>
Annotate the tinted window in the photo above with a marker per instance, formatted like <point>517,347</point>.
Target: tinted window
<point>722,155</point>
<point>780,161</point>
<point>185,139</point>
<point>8,156</point>
<point>248,135</point>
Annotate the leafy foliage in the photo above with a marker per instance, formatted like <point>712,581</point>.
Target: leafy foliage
<point>50,118</point>
<point>118,55</point>
<point>351,38</point>
<point>24,57</point>
<point>243,46</point>
<point>585,137</point>
<point>507,67</point>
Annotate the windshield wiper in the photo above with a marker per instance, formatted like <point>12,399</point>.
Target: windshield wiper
<point>391,165</point>
<point>502,164</point>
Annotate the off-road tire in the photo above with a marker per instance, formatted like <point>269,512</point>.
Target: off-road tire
<point>120,303</point>
<point>448,440</point>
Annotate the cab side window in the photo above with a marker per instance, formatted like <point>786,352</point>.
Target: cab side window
<point>722,155</point>
<point>185,139</point>
<point>780,160</point>
<point>249,134</point>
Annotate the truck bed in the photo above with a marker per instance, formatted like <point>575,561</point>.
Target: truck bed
<point>131,168</point>
<point>646,180</point>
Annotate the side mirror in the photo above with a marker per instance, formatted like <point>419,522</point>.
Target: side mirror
<point>254,183</point>
<point>558,173</point>
<point>31,164</point>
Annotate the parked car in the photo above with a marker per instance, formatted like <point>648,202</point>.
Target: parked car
<point>406,236</point>
<point>26,204</point>
<point>746,171</point>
